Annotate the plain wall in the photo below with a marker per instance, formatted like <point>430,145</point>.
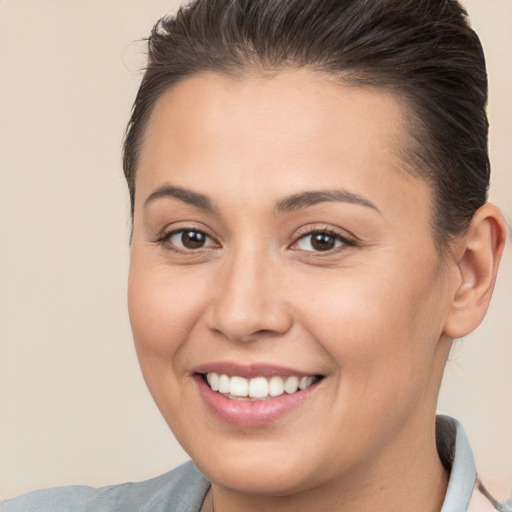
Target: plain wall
<point>73,406</point>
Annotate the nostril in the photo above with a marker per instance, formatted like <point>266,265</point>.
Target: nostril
<point>264,333</point>
<point>247,331</point>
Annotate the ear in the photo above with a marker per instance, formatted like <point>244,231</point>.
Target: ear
<point>478,257</point>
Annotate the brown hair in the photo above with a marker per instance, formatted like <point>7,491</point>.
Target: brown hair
<point>422,50</point>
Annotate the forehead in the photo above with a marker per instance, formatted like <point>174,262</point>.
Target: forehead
<point>279,135</point>
<point>294,106</point>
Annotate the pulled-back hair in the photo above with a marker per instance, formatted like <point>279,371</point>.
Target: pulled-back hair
<point>424,51</point>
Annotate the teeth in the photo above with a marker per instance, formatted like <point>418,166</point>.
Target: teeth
<point>224,384</point>
<point>291,385</point>
<point>239,386</point>
<point>276,386</point>
<point>213,380</point>
<point>257,387</point>
<point>305,382</point>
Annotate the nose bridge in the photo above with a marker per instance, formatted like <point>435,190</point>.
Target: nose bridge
<point>249,302</point>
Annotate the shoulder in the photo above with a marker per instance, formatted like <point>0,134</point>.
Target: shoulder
<point>181,490</point>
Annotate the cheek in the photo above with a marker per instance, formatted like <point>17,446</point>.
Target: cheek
<point>163,312</point>
<point>382,336</point>
<point>163,309</point>
<point>380,317</point>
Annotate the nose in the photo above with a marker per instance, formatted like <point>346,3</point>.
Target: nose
<point>249,302</point>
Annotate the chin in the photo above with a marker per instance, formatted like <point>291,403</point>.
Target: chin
<point>262,468</point>
<point>262,479</point>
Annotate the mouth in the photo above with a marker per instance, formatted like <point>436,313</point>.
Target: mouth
<point>258,388</point>
<point>254,395</point>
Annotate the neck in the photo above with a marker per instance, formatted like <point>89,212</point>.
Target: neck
<point>409,477</point>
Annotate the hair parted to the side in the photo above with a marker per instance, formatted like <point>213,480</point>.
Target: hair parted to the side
<point>424,51</point>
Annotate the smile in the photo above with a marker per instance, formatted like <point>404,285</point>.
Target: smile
<point>257,388</point>
<point>254,396</point>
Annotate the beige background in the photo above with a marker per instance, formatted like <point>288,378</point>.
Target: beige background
<point>74,408</point>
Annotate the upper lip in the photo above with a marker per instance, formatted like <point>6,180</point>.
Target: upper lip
<point>249,371</point>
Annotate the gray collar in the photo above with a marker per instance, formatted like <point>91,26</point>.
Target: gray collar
<point>463,470</point>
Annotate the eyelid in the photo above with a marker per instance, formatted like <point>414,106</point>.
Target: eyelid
<point>168,232</point>
<point>172,234</point>
<point>347,239</point>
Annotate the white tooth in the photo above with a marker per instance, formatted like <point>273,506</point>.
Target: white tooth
<point>276,386</point>
<point>224,384</point>
<point>291,385</point>
<point>239,386</point>
<point>258,387</point>
<point>213,380</point>
<point>305,382</point>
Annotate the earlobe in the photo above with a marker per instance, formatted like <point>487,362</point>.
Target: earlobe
<point>479,257</point>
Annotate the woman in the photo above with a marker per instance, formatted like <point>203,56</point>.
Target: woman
<point>310,233</point>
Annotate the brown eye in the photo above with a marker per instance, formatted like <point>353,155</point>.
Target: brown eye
<point>323,242</point>
<point>193,239</point>
<point>190,239</point>
<point>320,241</point>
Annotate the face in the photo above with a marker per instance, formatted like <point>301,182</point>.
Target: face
<point>282,256</point>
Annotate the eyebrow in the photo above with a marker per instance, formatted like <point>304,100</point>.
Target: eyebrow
<point>307,199</point>
<point>187,196</point>
<point>289,204</point>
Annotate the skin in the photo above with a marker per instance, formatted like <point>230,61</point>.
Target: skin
<point>374,315</point>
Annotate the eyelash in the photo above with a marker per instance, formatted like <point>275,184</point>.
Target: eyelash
<point>344,241</point>
<point>164,240</point>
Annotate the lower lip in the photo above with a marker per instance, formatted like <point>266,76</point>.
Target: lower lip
<point>251,414</point>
